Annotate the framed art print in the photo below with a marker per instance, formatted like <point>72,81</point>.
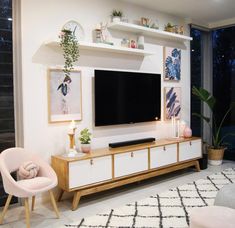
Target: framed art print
<point>172,64</point>
<point>172,102</point>
<point>64,96</point>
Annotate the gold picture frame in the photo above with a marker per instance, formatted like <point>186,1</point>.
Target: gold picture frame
<point>64,96</point>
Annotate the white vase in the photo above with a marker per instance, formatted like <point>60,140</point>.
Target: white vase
<point>86,148</point>
<point>116,19</point>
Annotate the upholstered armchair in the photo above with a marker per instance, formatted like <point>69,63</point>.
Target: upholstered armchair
<point>46,179</point>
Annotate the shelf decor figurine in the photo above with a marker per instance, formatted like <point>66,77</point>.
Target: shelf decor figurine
<point>71,133</point>
<point>116,15</point>
<point>85,139</point>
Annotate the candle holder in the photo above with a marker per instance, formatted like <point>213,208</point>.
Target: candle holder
<point>175,125</point>
<point>72,151</point>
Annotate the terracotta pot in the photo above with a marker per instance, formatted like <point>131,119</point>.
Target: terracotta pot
<point>215,156</point>
<point>86,148</point>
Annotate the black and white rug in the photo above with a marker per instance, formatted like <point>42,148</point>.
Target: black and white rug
<point>165,210</point>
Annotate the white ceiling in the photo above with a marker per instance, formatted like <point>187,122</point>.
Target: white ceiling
<point>211,13</point>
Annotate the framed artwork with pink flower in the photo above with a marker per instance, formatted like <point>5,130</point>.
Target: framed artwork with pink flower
<point>64,96</point>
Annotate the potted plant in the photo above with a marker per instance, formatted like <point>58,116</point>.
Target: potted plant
<point>169,27</point>
<point>116,15</point>
<point>70,47</point>
<point>217,148</point>
<point>85,139</point>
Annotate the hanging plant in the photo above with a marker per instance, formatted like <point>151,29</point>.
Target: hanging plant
<point>70,47</point>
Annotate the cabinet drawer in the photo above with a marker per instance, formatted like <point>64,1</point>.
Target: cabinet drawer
<point>163,155</point>
<point>131,162</point>
<point>89,171</point>
<point>189,150</point>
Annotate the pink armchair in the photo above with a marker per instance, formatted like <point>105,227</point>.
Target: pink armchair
<point>10,161</point>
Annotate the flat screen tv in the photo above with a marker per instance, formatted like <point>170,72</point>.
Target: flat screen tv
<point>126,97</point>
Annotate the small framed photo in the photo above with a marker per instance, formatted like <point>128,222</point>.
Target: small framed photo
<point>64,96</point>
<point>133,43</point>
<point>172,102</point>
<point>145,22</point>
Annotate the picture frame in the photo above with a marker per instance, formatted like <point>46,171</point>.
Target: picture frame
<point>172,64</point>
<point>133,43</point>
<point>172,102</point>
<point>64,96</point>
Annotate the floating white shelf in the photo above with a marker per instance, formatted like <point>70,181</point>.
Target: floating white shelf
<point>105,48</point>
<point>141,30</point>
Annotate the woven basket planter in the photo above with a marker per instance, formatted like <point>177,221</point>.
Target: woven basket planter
<point>215,156</point>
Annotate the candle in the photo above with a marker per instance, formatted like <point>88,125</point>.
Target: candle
<point>72,127</point>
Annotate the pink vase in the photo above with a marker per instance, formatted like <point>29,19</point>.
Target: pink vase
<point>187,132</point>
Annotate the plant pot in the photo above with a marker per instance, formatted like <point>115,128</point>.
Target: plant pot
<point>116,19</point>
<point>203,162</point>
<point>86,148</point>
<point>215,156</point>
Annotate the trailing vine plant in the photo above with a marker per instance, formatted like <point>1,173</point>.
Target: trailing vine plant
<point>70,47</point>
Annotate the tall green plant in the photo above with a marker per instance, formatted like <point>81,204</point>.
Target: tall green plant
<point>70,47</point>
<point>209,99</point>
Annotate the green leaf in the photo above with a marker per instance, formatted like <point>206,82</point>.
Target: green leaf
<point>207,119</point>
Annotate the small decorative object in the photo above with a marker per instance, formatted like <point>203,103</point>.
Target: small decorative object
<point>28,170</point>
<point>124,19</point>
<point>145,22</point>
<point>172,64</point>
<point>172,102</point>
<point>133,43</point>
<point>98,34</point>
<point>76,29</point>
<point>125,43</point>
<point>175,125</point>
<point>169,27</point>
<point>116,15</point>
<point>72,151</point>
<point>64,96</point>
<point>183,124</point>
<point>181,30</point>
<point>141,42</point>
<point>217,147</point>
<point>85,139</point>
<point>155,25</point>
<point>187,132</point>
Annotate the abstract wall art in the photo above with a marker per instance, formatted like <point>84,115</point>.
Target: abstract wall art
<point>172,64</point>
<point>64,96</point>
<point>172,102</point>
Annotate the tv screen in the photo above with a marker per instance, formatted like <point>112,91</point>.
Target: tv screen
<point>126,97</point>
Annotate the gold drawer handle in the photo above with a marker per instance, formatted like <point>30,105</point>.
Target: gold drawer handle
<point>164,148</point>
<point>132,154</point>
<point>91,162</point>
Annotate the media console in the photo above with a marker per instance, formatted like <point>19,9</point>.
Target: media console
<point>108,168</point>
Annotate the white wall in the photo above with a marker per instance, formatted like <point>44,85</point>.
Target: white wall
<point>43,20</point>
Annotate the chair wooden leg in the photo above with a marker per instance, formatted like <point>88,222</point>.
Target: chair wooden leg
<point>33,203</point>
<point>5,208</point>
<point>54,203</point>
<point>27,212</point>
<point>76,199</point>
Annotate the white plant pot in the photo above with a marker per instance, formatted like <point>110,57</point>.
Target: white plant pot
<point>86,148</point>
<point>215,162</point>
<point>116,19</point>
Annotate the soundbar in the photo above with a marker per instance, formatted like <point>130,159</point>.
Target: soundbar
<point>131,142</point>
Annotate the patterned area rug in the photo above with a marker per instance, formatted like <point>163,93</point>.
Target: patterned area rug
<point>168,209</point>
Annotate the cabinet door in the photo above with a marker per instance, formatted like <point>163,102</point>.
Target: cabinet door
<point>190,150</point>
<point>89,171</point>
<point>163,155</point>
<point>130,162</point>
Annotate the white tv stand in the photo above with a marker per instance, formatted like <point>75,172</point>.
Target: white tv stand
<point>107,168</point>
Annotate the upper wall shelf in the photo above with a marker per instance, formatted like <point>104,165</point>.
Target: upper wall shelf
<point>105,48</point>
<point>128,27</point>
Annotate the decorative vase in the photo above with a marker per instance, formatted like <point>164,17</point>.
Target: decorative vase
<point>86,148</point>
<point>215,156</point>
<point>116,19</point>
<point>187,132</point>
<point>141,42</point>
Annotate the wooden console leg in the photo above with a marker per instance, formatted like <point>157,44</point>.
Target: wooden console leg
<point>60,195</point>
<point>197,166</point>
<point>76,199</point>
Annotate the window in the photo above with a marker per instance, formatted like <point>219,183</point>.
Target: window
<point>224,81</point>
